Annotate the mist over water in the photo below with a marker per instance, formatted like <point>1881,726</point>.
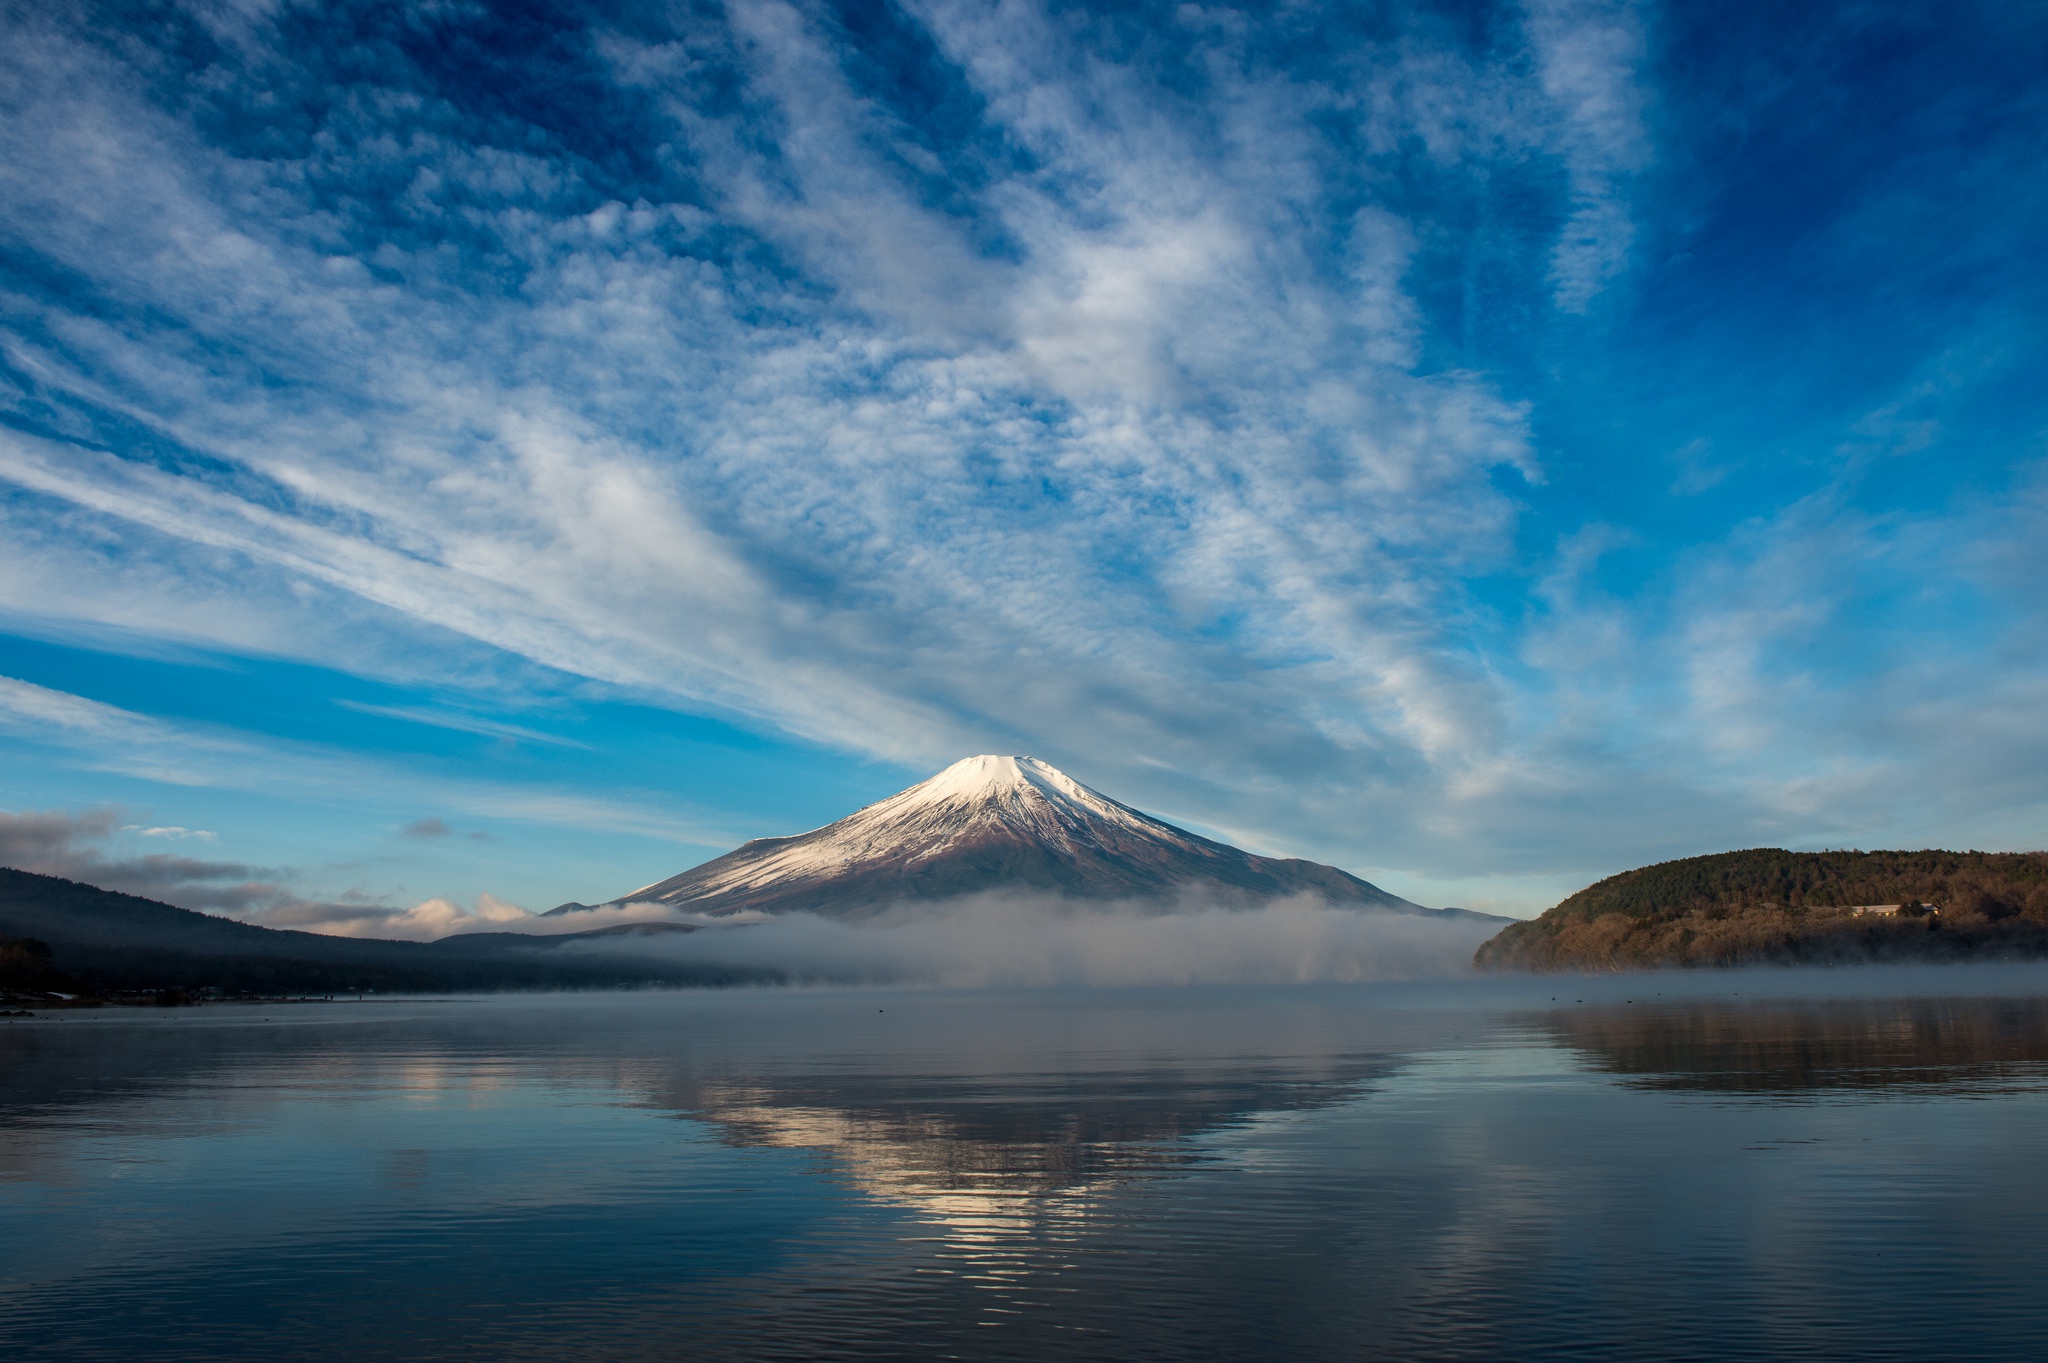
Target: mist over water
<point>1837,1165</point>
<point>1011,940</point>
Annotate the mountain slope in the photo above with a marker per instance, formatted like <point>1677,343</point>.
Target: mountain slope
<point>995,823</point>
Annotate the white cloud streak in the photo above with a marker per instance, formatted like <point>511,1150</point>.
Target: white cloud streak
<point>1245,521</point>
<point>460,723</point>
<point>1589,54</point>
<point>1095,424</point>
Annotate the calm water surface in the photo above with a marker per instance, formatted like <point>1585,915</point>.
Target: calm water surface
<point>1840,1165</point>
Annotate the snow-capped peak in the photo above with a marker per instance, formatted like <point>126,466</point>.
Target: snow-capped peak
<point>989,795</point>
<point>979,780</point>
<point>992,822</point>
<point>1022,794</point>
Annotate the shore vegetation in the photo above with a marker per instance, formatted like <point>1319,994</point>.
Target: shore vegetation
<point>1771,906</point>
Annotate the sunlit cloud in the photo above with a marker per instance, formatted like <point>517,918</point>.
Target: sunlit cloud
<point>171,831</point>
<point>1252,411</point>
<point>431,920</point>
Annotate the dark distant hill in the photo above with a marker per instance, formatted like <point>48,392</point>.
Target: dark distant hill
<point>1767,905</point>
<point>104,942</point>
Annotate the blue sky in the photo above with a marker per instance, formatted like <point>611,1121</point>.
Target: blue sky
<point>513,450</point>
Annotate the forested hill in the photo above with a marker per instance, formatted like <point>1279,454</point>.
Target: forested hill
<point>62,935</point>
<point>1770,905</point>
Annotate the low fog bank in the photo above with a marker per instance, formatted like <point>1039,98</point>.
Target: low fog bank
<point>997,941</point>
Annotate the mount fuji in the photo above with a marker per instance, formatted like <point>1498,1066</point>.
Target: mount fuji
<point>996,823</point>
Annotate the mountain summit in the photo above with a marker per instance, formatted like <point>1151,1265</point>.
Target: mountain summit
<point>993,823</point>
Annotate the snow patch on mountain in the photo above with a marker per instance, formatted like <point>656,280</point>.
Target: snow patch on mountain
<point>995,823</point>
<point>968,802</point>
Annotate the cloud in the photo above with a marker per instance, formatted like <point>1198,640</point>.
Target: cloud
<point>59,843</point>
<point>1165,443</point>
<point>1123,387</point>
<point>425,828</point>
<point>1589,55</point>
<point>70,845</point>
<point>1007,941</point>
<point>55,843</point>
<point>468,724</point>
<point>433,919</point>
<point>423,922</point>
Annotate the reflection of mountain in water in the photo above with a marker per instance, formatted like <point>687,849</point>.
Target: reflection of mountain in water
<point>1006,1154</point>
<point>1791,1048</point>
<point>990,1121</point>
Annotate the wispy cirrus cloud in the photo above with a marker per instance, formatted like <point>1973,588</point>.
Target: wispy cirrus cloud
<point>1124,387</point>
<point>1136,445</point>
<point>1589,56</point>
<point>461,723</point>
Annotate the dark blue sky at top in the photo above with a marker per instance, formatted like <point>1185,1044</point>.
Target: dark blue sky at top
<point>1483,446</point>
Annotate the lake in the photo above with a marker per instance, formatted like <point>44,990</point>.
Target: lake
<point>1832,1165</point>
